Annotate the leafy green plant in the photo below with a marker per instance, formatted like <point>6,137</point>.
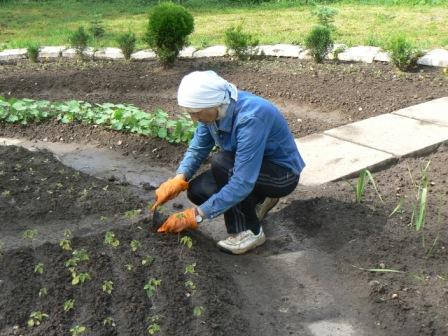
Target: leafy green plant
<point>241,43</point>
<point>32,51</point>
<point>69,305</point>
<point>109,321</point>
<point>198,311</point>
<point>190,268</point>
<point>167,32</point>
<point>111,240</point>
<point>187,241</point>
<point>39,268</point>
<point>403,53</point>
<point>78,330</point>
<point>135,245</point>
<point>97,26</point>
<point>80,278</point>
<point>189,285</point>
<point>148,260</point>
<point>129,267</point>
<point>126,42</point>
<point>43,292</point>
<point>151,286</point>
<point>78,256</point>
<point>419,208</point>
<point>66,243</point>
<point>79,40</point>
<point>325,16</point>
<point>131,214</point>
<point>319,42</point>
<point>36,318</point>
<point>364,178</point>
<point>108,286</point>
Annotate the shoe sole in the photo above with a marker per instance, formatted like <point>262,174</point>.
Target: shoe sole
<point>238,252</point>
<point>263,214</point>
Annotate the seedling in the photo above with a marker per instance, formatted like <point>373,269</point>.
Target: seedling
<point>66,243</point>
<point>1,249</point>
<point>419,209</point>
<point>151,286</point>
<point>36,318</point>
<point>110,239</point>
<point>190,269</point>
<point>187,241</point>
<point>80,278</point>
<point>132,213</point>
<point>397,208</point>
<point>108,286</point>
<point>77,257</point>
<point>364,177</point>
<point>129,267</point>
<point>198,311</point>
<point>189,285</point>
<point>6,193</point>
<point>69,305</point>
<point>154,327</point>
<point>135,245</point>
<point>77,330</point>
<point>109,322</point>
<point>30,234</point>
<point>39,268</point>
<point>43,292</point>
<point>148,260</point>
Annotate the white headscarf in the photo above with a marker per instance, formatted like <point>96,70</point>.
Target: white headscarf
<point>203,89</point>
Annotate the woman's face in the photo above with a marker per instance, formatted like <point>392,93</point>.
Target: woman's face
<point>206,115</point>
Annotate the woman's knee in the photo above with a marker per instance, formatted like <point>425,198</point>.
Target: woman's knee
<point>222,161</point>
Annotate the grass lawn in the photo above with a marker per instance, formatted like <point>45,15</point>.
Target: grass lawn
<point>50,22</point>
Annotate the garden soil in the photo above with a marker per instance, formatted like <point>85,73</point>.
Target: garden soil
<point>319,238</point>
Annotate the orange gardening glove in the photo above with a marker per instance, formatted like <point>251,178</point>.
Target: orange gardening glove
<point>185,220</point>
<point>169,190</point>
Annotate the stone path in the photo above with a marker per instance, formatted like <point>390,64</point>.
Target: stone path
<point>346,150</point>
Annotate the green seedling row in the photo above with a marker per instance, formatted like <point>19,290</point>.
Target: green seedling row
<point>119,117</point>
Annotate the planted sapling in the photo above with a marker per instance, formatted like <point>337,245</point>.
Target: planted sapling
<point>39,268</point>
<point>78,330</point>
<point>129,267</point>
<point>147,261</point>
<point>109,322</point>
<point>151,286</point>
<point>190,268</point>
<point>135,245</point>
<point>154,327</point>
<point>198,311</point>
<point>36,318</point>
<point>43,292</point>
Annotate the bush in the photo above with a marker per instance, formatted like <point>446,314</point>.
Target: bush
<point>243,44</point>
<point>127,42</point>
<point>96,26</point>
<point>325,16</point>
<point>32,51</point>
<point>79,39</point>
<point>168,29</point>
<point>319,42</point>
<point>403,53</point>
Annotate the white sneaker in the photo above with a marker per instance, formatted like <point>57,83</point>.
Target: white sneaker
<point>242,242</point>
<point>263,208</point>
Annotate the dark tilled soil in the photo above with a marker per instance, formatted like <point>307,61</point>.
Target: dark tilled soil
<point>364,235</point>
<point>128,305</point>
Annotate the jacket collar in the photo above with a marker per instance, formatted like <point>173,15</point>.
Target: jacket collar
<point>225,124</point>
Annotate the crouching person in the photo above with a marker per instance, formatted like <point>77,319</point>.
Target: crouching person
<point>258,161</point>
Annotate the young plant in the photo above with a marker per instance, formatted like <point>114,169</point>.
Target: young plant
<point>190,268</point>
<point>325,16</point>
<point>39,268</point>
<point>110,239</point>
<point>109,322</point>
<point>419,209</point>
<point>69,305</point>
<point>404,54</point>
<point>187,241</point>
<point>96,26</point>
<point>66,243</point>
<point>80,278</point>
<point>135,245</point>
<point>131,214</point>
<point>242,44</point>
<point>126,42</point>
<point>167,32</point>
<point>129,267</point>
<point>198,311</point>
<point>319,42</point>
<point>43,292</point>
<point>147,260</point>
<point>190,286</point>
<point>151,286</point>
<point>154,327</point>
<point>364,178</point>
<point>77,330</point>
<point>108,286</point>
<point>36,318</point>
<point>79,40</point>
<point>32,51</point>
<point>78,256</point>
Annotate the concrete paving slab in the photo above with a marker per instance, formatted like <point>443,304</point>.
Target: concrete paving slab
<point>436,57</point>
<point>337,46</point>
<point>359,54</point>
<point>109,54</point>
<point>280,50</point>
<point>12,55</point>
<point>382,56</point>
<point>72,53</point>
<point>392,134</point>
<point>144,55</point>
<point>434,111</point>
<point>187,52</point>
<point>328,158</point>
<point>49,52</point>
<point>215,51</point>
<point>332,328</point>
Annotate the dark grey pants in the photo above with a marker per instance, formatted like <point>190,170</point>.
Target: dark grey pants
<point>273,181</point>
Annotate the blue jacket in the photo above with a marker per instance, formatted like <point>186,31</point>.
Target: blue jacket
<point>255,130</point>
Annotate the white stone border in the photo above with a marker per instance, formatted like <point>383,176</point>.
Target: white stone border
<point>366,54</point>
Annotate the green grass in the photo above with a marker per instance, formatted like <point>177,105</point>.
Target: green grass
<point>358,22</point>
